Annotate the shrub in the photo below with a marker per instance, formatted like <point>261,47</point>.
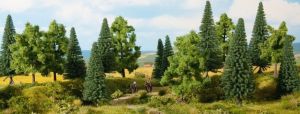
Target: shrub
<point>2,104</point>
<point>139,75</point>
<point>162,92</point>
<point>19,104</point>
<point>157,101</point>
<point>266,88</point>
<point>117,94</point>
<point>142,94</point>
<point>291,102</point>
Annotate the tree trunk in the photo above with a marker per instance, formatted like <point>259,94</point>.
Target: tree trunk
<point>206,74</point>
<point>33,78</point>
<point>54,76</point>
<point>123,73</point>
<point>239,102</point>
<point>275,70</point>
<point>259,70</point>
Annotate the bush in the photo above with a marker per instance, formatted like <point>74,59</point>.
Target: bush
<point>162,92</point>
<point>142,94</point>
<point>2,104</point>
<point>139,75</point>
<point>266,88</point>
<point>117,94</point>
<point>157,101</point>
<point>291,102</point>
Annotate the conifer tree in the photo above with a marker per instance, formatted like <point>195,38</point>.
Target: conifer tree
<point>7,40</point>
<point>209,45</point>
<point>127,52</point>
<point>168,51</point>
<point>75,66</point>
<point>106,47</point>
<point>238,82</point>
<point>259,36</point>
<point>288,80</point>
<point>94,84</point>
<point>157,71</point>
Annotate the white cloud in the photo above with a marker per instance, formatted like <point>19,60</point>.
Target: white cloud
<point>15,5</point>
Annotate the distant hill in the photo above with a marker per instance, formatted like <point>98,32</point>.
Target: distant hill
<point>297,48</point>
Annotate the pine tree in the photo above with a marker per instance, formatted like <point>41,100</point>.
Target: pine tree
<point>224,29</point>
<point>259,36</point>
<point>168,51</point>
<point>75,66</point>
<point>94,84</point>
<point>8,39</point>
<point>238,81</point>
<point>157,71</point>
<point>288,80</point>
<point>127,52</point>
<point>209,45</point>
<point>106,46</point>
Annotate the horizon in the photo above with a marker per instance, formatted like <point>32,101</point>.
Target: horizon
<point>154,19</point>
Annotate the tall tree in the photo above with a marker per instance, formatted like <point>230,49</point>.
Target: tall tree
<point>288,80</point>
<point>157,71</point>
<point>224,29</point>
<point>7,40</point>
<point>26,51</point>
<point>126,50</point>
<point>168,51</point>
<point>94,84</point>
<point>106,47</point>
<point>238,81</point>
<point>273,46</point>
<point>55,47</point>
<point>209,45</point>
<point>75,66</point>
<point>259,36</point>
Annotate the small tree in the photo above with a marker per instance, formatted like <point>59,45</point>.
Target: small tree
<point>94,84</point>
<point>238,82</point>
<point>75,66</point>
<point>288,80</point>
<point>157,71</point>
<point>126,50</point>
<point>167,52</point>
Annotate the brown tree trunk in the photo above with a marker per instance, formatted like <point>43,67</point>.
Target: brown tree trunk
<point>123,73</point>
<point>206,74</point>
<point>33,78</point>
<point>259,70</point>
<point>54,76</point>
<point>275,70</point>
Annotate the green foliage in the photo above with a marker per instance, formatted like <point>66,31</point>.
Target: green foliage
<point>94,84</point>
<point>117,94</point>
<point>139,75</point>
<point>2,104</point>
<point>224,29</point>
<point>167,52</point>
<point>266,88</point>
<point>259,36</point>
<point>209,44</point>
<point>158,65</point>
<point>7,40</point>
<point>210,90</point>
<point>162,92</point>
<point>159,101</point>
<point>106,46</point>
<point>291,102</point>
<point>238,81</point>
<point>288,80</point>
<point>75,66</point>
<point>126,50</point>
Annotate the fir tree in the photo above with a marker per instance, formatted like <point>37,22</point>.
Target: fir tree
<point>106,47</point>
<point>259,36</point>
<point>238,82</point>
<point>94,84</point>
<point>75,66</point>
<point>288,80</point>
<point>209,45</point>
<point>8,39</point>
<point>157,71</point>
<point>168,51</point>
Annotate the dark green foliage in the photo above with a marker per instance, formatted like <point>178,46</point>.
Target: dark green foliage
<point>75,66</point>
<point>167,52</point>
<point>106,47</point>
<point>224,29</point>
<point>158,66</point>
<point>94,84</point>
<point>259,36</point>
<point>126,50</point>
<point>238,81</point>
<point>288,80</point>
<point>7,40</point>
<point>209,44</point>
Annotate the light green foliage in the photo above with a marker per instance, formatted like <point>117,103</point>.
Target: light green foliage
<point>126,50</point>
<point>158,65</point>
<point>209,45</point>
<point>117,94</point>
<point>238,81</point>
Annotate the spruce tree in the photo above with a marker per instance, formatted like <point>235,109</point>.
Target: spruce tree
<point>259,36</point>
<point>288,80</point>
<point>106,47</point>
<point>7,40</point>
<point>168,51</point>
<point>94,85</point>
<point>157,71</point>
<point>238,81</point>
<point>75,66</point>
<point>209,45</point>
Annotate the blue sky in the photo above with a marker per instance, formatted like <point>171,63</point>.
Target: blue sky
<point>152,19</point>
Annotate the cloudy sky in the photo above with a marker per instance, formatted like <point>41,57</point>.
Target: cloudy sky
<point>152,19</point>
